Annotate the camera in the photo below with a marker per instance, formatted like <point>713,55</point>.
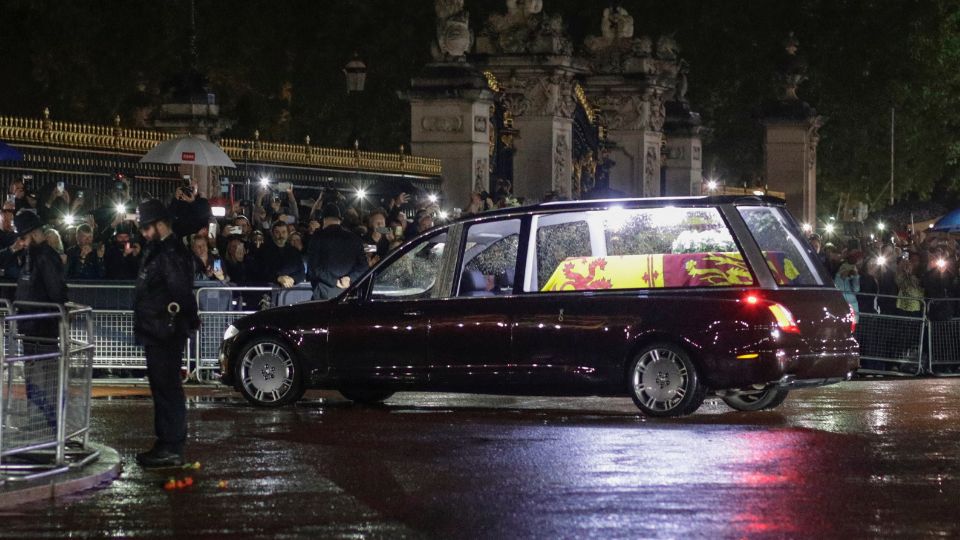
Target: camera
<point>60,187</point>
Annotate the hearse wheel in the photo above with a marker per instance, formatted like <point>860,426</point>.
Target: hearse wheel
<point>269,375</point>
<point>366,396</point>
<point>663,381</point>
<point>768,398</point>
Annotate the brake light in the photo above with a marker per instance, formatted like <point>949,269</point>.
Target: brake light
<point>853,320</point>
<point>751,299</point>
<point>784,319</point>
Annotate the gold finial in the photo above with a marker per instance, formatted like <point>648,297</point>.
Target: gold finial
<point>356,145</point>
<point>256,134</point>
<point>403,149</point>
<point>307,140</point>
<point>46,113</point>
<point>116,120</point>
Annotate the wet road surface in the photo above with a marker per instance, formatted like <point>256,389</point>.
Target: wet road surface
<point>871,458</point>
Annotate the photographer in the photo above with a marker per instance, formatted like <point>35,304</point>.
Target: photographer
<point>378,234</point>
<point>121,257</point>
<point>189,211</point>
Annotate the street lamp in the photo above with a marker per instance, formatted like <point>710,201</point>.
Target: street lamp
<point>829,228</point>
<point>356,74</point>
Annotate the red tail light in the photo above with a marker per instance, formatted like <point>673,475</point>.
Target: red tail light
<point>781,314</point>
<point>784,319</point>
<point>853,320</point>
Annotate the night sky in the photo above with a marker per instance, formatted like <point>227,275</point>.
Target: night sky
<point>276,66</point>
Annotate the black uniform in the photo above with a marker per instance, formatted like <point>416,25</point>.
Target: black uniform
<point>334,252</point>
<point>41,280</point>
<point>166,277</point>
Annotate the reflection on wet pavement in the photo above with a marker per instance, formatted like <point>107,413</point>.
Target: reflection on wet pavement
<point>865,458</point>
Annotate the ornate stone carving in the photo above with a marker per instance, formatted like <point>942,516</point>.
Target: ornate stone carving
<point>446,124</point>
<point>480,124</point>
<point>793,69</point>
<point>454,37</point>
<point>616,50</point>
<point>481,175</point>
<point>524,29</point>
<point>667,48</point>
<point>560,159</point>
<point>650,161</point>
<point>680,94</point>
<point>625,111</point>
<point>658,110</point>
<point>544,96</point>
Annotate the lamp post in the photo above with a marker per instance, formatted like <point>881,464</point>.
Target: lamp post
<point>355,73</point>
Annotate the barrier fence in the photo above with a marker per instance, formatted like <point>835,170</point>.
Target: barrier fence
<point>45,385</point>
<point>892,340</point>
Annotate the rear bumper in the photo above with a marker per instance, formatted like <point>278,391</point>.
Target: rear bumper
<point>792,382</point>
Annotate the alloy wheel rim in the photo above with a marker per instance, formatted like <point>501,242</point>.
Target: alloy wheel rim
<point>266,372</point>
<point>660,380</point>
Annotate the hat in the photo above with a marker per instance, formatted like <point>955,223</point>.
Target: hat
<point>331,210</point>
<point>152,211</point>
<point>26,221</point>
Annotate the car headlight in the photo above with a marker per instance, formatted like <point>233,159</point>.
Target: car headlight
<point>231,332</point>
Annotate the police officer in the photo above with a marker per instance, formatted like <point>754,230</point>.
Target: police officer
<point>335,257</point>
<point>41,280</point>
<point>164,314</point>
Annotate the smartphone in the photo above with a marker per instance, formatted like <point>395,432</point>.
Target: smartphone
<point>369,248</point>
<point>217,266</point>
<point>61,187</point>
<point>225,188</point>
<point>398,231</point>
<point>119,186</point>
<point>130,217</point>
<point>384,230</point>
<point>79,194</point>
<point>212,230</point>
<point>284,186</point>
<point>11,198</point>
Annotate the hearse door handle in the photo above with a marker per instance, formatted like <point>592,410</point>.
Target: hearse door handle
<point>411,313</point>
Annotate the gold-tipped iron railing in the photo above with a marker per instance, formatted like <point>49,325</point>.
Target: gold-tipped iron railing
<point>44,131</point>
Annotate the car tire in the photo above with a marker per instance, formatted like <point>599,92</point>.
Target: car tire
<point>366,396</point>
<point>768,398</point>
<point>268,375</point>
<point>664,381</point>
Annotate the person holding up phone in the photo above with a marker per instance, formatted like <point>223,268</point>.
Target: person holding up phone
<point>378,234</point>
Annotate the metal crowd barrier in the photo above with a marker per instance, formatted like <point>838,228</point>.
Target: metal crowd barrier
<point>118,357</point>
<point>45,386</point>
<point>890,343</point>
<point>943,336</point>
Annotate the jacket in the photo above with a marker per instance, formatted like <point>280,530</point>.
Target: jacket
<point>41,280</point>
<point>166,276</point>
<point>334,252</point>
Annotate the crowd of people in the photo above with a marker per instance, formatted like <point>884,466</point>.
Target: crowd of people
<point>269,241</point>
<point>894,277</point>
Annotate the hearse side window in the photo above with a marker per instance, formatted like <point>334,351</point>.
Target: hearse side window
<point>556,243</point>
<point>644,248</point>
<point>490,259</point>
<point>413,275</point>
<point>788,257</point>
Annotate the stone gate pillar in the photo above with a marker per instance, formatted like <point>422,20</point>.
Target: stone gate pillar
<point>790,140</point>
<point>631,82</point>
<point>450,120</point>
<point>527,51</point>
<point>450,108</point>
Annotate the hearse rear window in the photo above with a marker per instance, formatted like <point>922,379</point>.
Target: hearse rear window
<point>647,248</point>
<point>787,255</point>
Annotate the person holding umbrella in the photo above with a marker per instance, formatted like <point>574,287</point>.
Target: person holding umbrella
<point>164,314</point>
